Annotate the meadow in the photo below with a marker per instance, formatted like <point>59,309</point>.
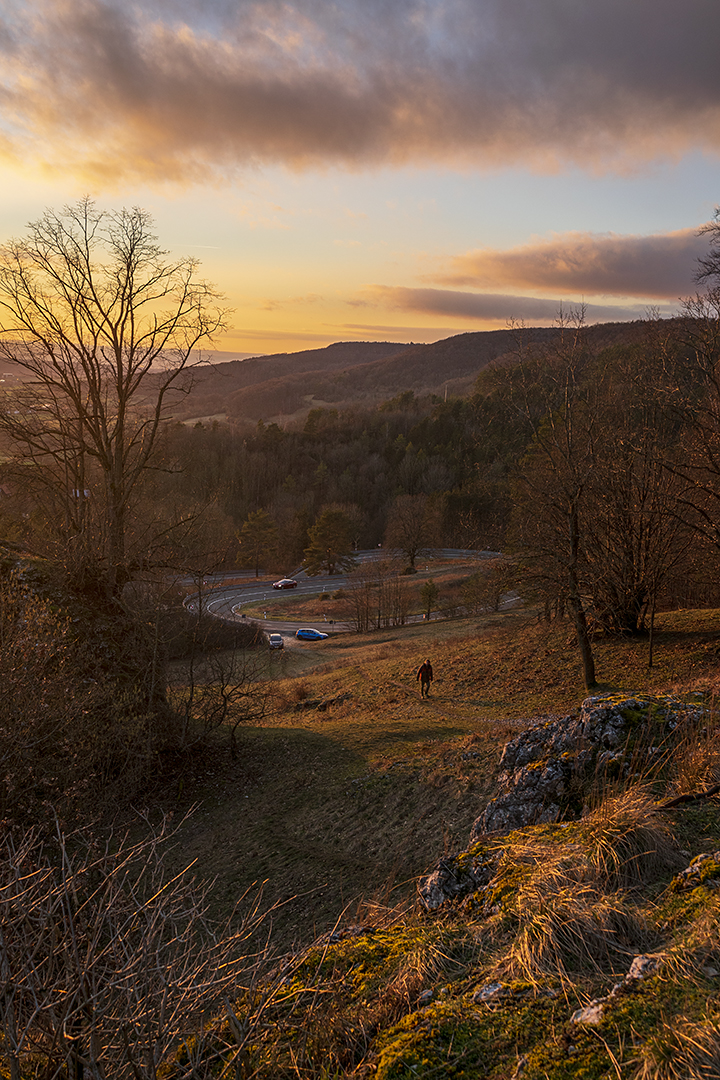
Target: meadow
<point>332,803</point>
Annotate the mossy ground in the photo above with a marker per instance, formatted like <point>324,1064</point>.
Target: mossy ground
<point>338,811</point>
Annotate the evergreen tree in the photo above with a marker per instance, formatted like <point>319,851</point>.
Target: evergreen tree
<point>258,536</point>
<point>330,548</point>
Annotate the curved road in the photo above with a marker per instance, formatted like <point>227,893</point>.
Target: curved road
<point>227,602</point>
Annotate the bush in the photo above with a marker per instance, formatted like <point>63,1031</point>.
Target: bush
<point>183,633</point>
<point>109,964</point>
<point>83,708</point>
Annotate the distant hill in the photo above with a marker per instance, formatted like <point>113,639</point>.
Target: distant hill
<point>287,385</point>
<point>271,383</point>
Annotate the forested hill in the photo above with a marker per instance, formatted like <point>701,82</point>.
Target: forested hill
<point>215,383</point>
<point>348,373</point>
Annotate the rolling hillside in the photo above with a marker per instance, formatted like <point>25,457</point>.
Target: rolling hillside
<point>286,386</point>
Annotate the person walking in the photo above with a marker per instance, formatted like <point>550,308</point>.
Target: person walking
<point>425,677</point>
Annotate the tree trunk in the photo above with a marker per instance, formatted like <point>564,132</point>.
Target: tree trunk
<point>576,603</point>
<point>583,638</point>
<point>651,641</point>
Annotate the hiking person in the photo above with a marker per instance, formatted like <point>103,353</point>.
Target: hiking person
<point>425,675</point>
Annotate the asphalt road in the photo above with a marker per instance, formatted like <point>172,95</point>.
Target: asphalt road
<point>227,602</point>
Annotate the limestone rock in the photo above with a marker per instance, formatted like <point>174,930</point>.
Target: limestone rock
<point>453,878</point>
<point>493,991</point>
<point>591,1014</point>
<point>545,771</point>
<point>703,868</point>
<point>643,967</point>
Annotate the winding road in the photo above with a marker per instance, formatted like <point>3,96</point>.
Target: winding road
<point>227,601</point>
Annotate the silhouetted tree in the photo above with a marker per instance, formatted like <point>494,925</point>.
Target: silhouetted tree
<point>413,527</point>
<point>105,325</point>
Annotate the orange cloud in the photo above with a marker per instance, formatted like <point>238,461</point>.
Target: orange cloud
<point>657,267</point>
<point>180,90</point>
<point>496,307</point>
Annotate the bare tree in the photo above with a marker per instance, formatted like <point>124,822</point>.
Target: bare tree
<point>108,964</point>
<point>485,589</point>
<point>633,535</point>
<point>555,473</point>
<point>692,392</point>
<point>597,526</point>
<point>413,527</point>
<point>360,604</point>
<point>104,325</point>
<point>709,266</point>
<point>221,690</point>
<point>377,596</point>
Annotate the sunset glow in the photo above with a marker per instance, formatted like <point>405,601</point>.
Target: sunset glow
<point>379,172</point>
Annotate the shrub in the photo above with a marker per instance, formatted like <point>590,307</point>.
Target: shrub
<point>109,964</point>
<point>83,709</point>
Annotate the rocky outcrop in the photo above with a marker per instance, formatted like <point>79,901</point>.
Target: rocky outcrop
<point>546,775</point>
<point>705,867</point>
<point>456,877</point>
<point>547,771</point>
<point>645,966</point>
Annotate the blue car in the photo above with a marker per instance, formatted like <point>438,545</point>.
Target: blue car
<point>310,635</point>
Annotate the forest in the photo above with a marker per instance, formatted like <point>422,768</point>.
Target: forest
<point>588,456</point>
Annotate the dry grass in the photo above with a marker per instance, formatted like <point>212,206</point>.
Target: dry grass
<point>682,1051</point>
<point>354,801</point>
<point>570,931</point>
<point>696,760</point>
<point>324,804</point>
<point>419,968</point>
<point>696,949</point>
<point>572,906</point>
<point>629,844</point>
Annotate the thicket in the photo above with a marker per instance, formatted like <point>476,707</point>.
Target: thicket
<point>100,702</point>
<point>110,964</point>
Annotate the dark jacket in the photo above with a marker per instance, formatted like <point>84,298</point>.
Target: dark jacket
<point>424,672</point>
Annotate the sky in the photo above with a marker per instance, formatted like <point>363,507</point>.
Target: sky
<point>379,170</point>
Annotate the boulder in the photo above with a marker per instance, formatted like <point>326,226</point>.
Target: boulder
<point>546,774</point>
<point>547,771</point>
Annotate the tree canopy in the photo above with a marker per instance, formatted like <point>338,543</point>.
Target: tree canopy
<point>330,547</point>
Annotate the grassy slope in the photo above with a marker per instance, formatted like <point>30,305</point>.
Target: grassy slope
<point>355,801</point>
<point>376,787</point>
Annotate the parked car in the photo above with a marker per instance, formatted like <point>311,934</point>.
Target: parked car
<point>275,641</point>
<point>308,634</point>
<point>285,583</point>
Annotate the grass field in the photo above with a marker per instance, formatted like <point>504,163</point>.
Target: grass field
<point>327,806</point>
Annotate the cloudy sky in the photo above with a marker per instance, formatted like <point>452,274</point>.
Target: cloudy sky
<point>379,169</point>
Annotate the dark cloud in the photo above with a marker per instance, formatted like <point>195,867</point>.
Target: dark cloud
<point>494,307</point>
<point>174,88</point>
<point>657,267</point>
